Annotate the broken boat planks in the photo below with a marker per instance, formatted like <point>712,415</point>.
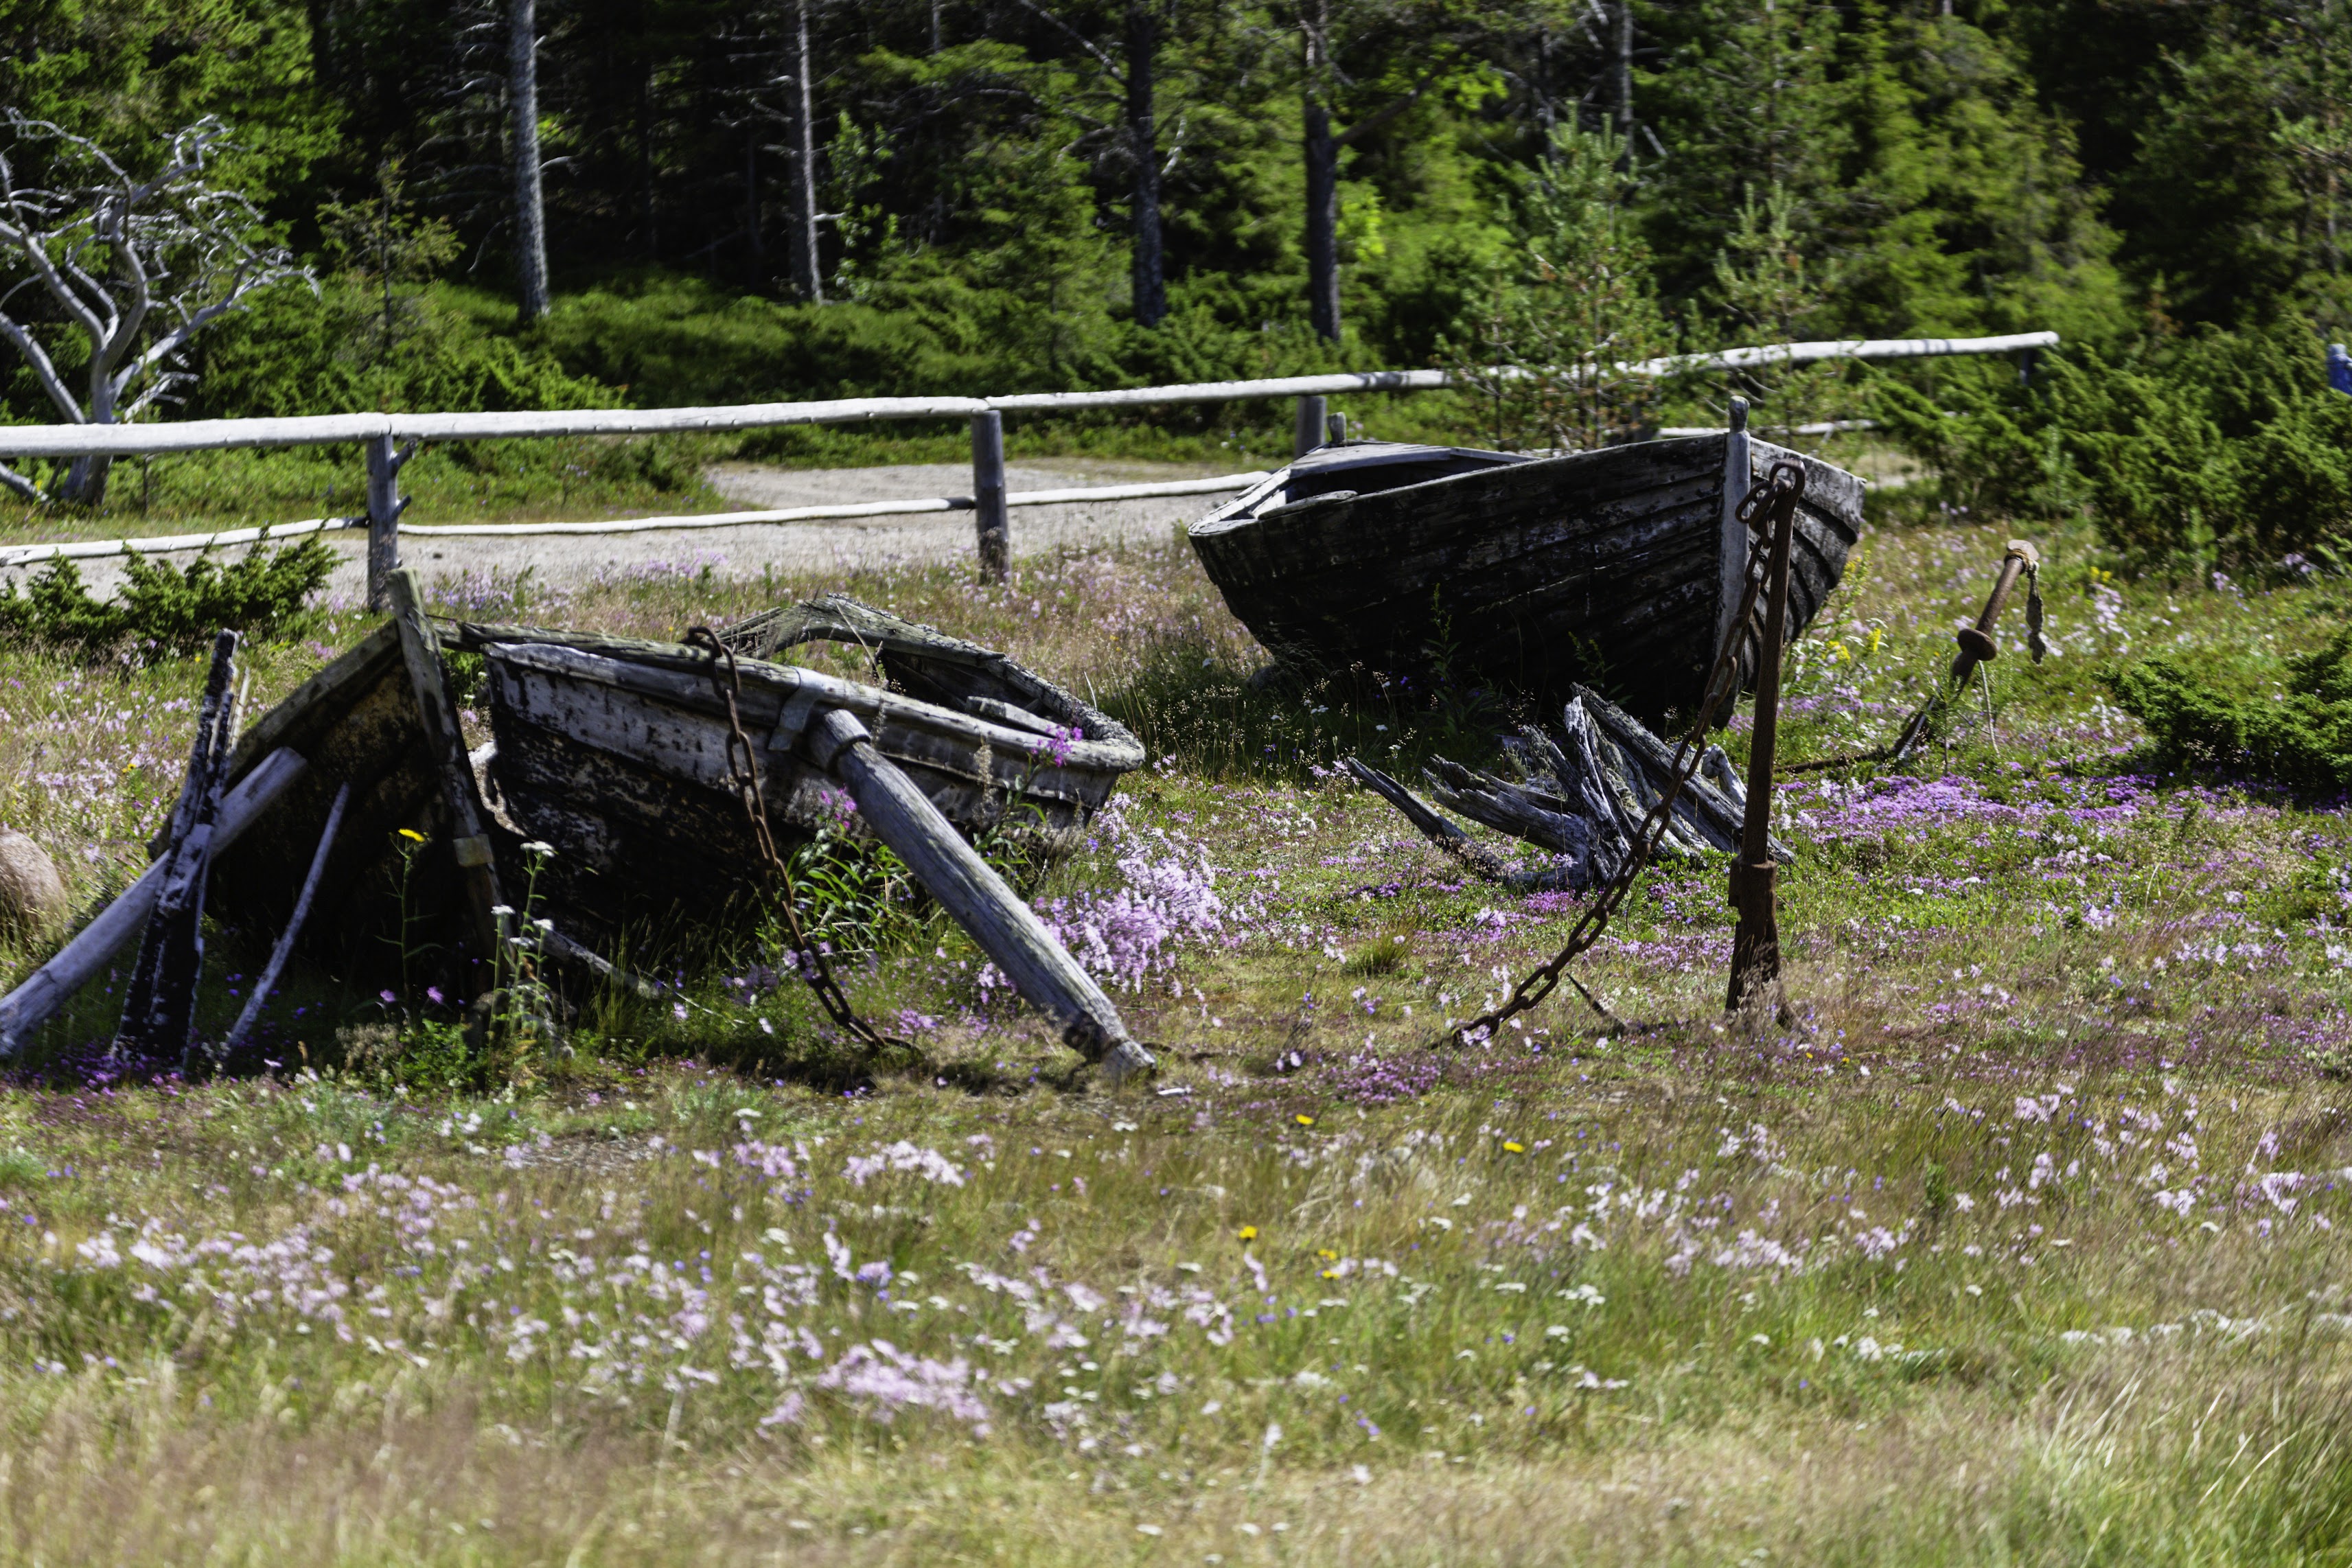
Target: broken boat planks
<point>1582,800</point>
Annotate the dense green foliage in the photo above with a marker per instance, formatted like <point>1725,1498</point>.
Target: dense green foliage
<point>2161,183</point>
<point>164,611</point>
<point>2299,735</point>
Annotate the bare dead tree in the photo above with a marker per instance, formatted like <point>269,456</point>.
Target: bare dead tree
<point>138,266</point>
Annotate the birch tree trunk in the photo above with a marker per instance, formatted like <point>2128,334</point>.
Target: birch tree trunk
<point>806,277</point>
<point>1151,266</point>
<point>530,207</point>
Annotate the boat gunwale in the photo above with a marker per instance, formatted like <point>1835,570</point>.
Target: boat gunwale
<point>682,680</point>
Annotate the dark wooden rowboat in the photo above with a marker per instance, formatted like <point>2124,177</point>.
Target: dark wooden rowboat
<point>1619,568</point>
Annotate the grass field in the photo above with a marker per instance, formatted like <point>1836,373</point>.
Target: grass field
<point>2018,1247</point>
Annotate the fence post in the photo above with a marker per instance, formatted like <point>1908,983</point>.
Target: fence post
<point>1335,429</point>
<point>1731,565</point>
<point>383,508</point>
<point>1308,434</point>
<point>988,496</point>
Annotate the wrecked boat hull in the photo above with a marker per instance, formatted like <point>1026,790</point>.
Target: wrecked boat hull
<point>616,752</point>
<point>1617,569</point>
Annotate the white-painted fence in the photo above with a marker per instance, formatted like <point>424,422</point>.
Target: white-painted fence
<point>389,438</point>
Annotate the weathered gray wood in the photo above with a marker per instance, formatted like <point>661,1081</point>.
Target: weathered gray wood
<point>385,505</point>
<point>468,843</point>
<point>1527,815</point>
<point>79,961</point>
<point>1308,428</point>
<point>563,948</point>
<point>1474,856</point>
<point>1712,809</point>
<point>285,945</point>
<point>1731,566</point>
<point>158,1007</point>
<point>989,755</point>
<point>1006,926</point>
<point>1527,576</point>
<point>994,530</point>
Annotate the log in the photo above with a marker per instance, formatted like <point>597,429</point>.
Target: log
<point>49,987</point>
<point>477,869</point>
<point>968,888</point>
<point>322,429</point>
<point>1532,815</point>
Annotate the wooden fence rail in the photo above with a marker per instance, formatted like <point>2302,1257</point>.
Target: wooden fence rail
<point>381,434</point>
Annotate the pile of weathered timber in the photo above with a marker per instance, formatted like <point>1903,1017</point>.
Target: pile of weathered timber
<point>1581,794</point>
<point>628,786</point>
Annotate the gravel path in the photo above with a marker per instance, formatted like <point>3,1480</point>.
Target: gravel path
<point>564,560</point>
<point>561,560</point>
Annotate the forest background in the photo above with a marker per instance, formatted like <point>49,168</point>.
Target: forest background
<point>975,196</point>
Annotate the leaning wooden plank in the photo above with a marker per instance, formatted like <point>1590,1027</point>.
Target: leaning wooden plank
<point>285,947</point>
<point>468,841</point>
<point>1713,809</point>
<point>1523,814</point>
<point>36,1000</point>
<point>1006,929</point>
<point>1471,855</point>
<point>159,1008</point>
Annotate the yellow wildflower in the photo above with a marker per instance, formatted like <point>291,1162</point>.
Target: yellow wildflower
<point>1514,1148</point>
<point>1247,1233</point>
<point>1305,1121</point>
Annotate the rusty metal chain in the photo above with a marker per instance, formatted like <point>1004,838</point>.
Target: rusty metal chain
<point>1760,510</point>
<point>744,772</point>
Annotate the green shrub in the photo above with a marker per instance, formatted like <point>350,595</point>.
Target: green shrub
<point>1988,438</point>
<point>2227,452</point>
<point>2303,740</point>
<point>163,611</point>
<point>329,353</point>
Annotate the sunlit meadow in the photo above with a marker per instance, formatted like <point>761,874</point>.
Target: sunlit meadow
<point>2018,1243</point>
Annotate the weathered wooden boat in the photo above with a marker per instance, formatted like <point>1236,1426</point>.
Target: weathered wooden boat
<point>626,759</point>
<point>354,722</point>
<point>615,752</point>
<point>1619,568</point>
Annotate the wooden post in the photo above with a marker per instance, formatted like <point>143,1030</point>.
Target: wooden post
<point>385,506</point>
<point>968,888</point>
<point>1756,942</point>
<point>1306,432</point>
<point>422,650</point>
<point>1731,550</point>
<point>988,496</point>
